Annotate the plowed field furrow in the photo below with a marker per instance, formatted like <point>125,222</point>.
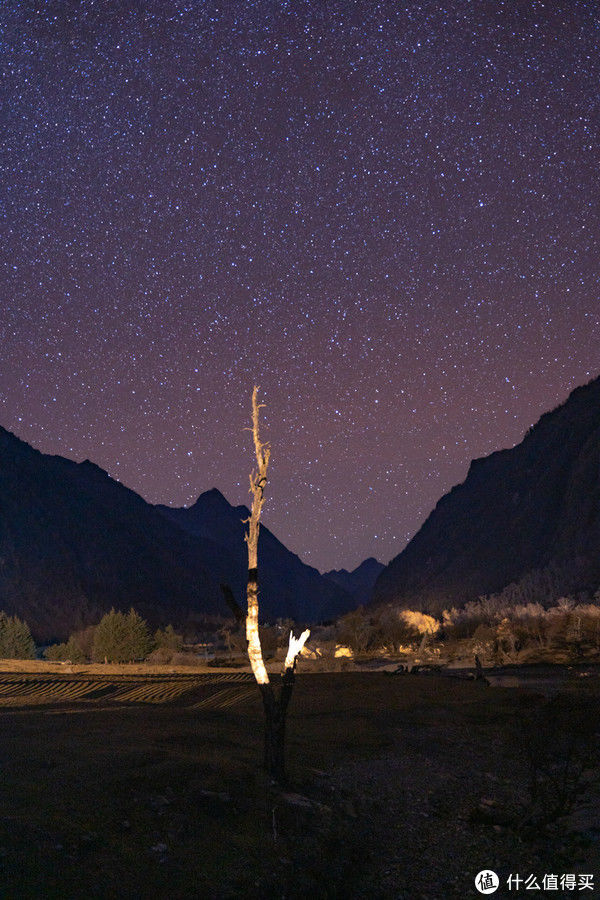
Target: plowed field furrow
<point>68,689</point>
<point>219,677</point>
<point>23,687</point>
<point>173,692</point>
<point>6,687</point>
<point>102,692</point>
<point>145,693</point>
<point>223,699</point>
<point>46,693</point>
<point>230,688</point>
<point>240,697</point>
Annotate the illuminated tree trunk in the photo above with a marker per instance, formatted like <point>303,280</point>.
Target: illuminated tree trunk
<point>275,703</point>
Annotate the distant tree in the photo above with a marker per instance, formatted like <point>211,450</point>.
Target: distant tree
<point>110,642</point>
<point>121,638</point>
<point>590,625</point>
<point>283,627</point>
<point>268,640</point>
<point>168,639</point>
<point>15,638</point>
<point>426,626</point>
<point>484,640</point>
<point>392,631</point>
<point>529,624</point>
<point>232,636</point>
<point>355,630</point>
<point>506,638</point>
<point>139,635</point>
<point>85,640</point>
<point>167,644</point>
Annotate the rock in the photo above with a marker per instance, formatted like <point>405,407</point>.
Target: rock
<point>349,809</point>
<point>221,796</point>
<point>159,848</point>
<point>160,851</point>
<point>158,801</point>
<point>297,800</point>
<point>302,802</point>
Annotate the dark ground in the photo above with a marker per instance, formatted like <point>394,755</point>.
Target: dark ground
<point>400,787</point>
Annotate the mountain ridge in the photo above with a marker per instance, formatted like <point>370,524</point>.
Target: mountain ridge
<point>282,573</point>
<point>75,542</point>
<point>360,581</point>
<point>518,510</point>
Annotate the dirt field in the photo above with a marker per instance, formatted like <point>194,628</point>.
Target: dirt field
<point>129,785</point>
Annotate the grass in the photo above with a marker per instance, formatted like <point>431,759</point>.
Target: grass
<point>106,798</point>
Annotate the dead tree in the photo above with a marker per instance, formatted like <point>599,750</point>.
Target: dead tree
<point>275,701</point>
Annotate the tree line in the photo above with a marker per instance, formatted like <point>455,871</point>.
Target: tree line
<point>493,628</point>
<point>118,637</point>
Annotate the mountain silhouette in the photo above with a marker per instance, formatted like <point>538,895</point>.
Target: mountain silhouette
<point>534,506</point>
<point>360,581</point>
<point>74,543</point>
<point>287,586</point>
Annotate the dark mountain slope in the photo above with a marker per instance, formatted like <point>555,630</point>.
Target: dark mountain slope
<point>288,587</point>
<point>521,509</point>
<point>358,583</point>
<point>73,543</point>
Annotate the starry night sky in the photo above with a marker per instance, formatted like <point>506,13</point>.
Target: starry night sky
<point>384,214</point>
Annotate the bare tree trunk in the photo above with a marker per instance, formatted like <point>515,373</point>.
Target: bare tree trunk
<point>276,707</point>
<point>275,703</point>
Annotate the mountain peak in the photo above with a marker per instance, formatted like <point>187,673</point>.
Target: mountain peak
<point>359,583</point>
<point>212,497</point>
<point>369,563</point>
<point>288,586</point>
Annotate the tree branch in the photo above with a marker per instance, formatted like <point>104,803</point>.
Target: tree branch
<point>294,648</point>
<point>232,603</point>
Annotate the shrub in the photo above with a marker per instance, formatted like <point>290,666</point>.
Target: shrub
<point>78,649</point>
<point>590,625</point>
<point>355,630</point>
<point>168,644</point>
<point>161,656</point>
<point>395,630</point>
<point>68,652</point>
<point>484,640</point>
<point>560,750</point>
<point>508,644</point>
<point>84,639</point>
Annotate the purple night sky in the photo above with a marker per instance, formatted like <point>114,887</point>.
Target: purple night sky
<point>384,214</point>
